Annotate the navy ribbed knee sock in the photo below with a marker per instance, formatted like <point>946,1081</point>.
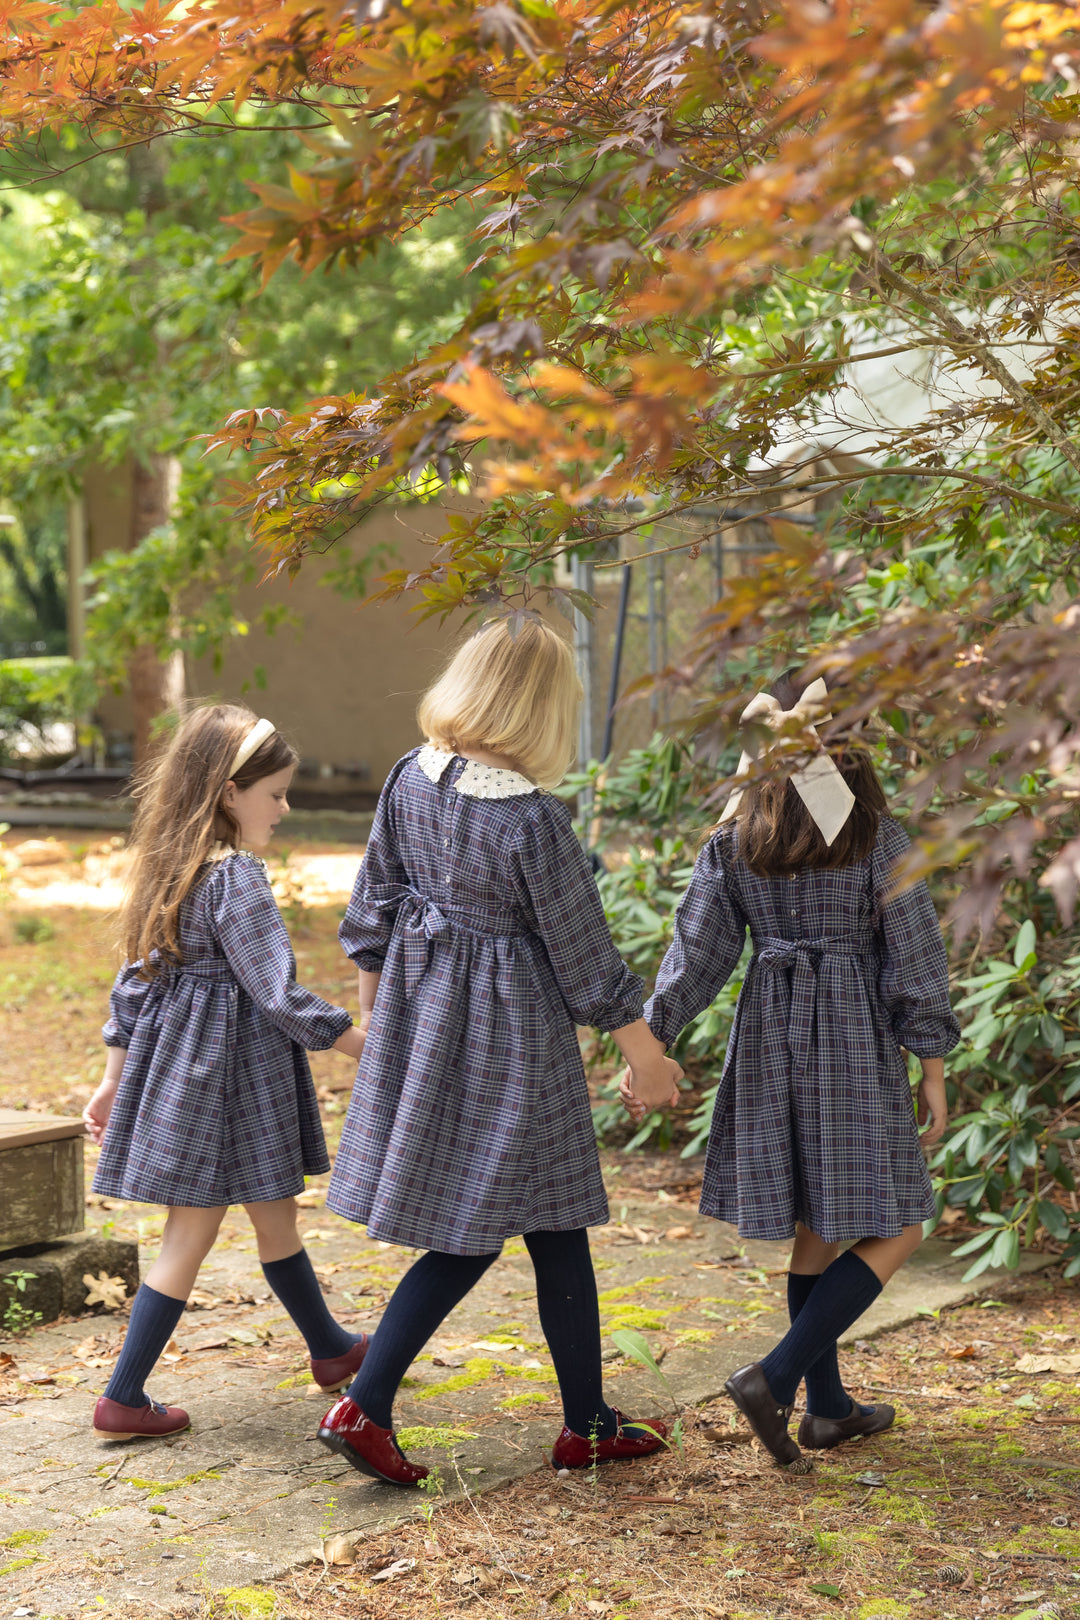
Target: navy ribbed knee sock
<point>423,1298</point>
<point>825,1393</point>
<point>151,1325</point>
<point>294,1282</point>
<point>839,1297</point>
<point>570,1317</point>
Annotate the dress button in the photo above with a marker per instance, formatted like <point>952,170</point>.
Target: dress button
<point>446,841</point>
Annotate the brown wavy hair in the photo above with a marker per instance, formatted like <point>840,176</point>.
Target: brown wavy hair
<point>776,833</point>
<point>179,818</point>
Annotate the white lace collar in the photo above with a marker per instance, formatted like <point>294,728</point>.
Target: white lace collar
<point>476,781</point>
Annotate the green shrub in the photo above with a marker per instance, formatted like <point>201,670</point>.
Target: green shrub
<point>36,693</point>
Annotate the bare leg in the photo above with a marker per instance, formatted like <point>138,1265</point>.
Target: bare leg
<point>289,1272</point>
<point>885,1256</point>
<point>275,1228</point>
<point>188,1237</point>
<point>811,1254</point>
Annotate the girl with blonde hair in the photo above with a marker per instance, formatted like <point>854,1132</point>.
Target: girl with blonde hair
<point>207,1098</point>
<point>481,942</point>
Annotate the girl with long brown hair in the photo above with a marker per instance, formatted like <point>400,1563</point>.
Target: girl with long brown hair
<point>813,1134</point>
<point>207,1098</point>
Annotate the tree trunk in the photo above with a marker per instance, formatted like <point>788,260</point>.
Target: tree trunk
<point>156,684</point>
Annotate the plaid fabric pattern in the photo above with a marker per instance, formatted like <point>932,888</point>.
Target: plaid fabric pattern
<point>217,1105</point>
<point>813,1119</point>
<point>470,1120</point>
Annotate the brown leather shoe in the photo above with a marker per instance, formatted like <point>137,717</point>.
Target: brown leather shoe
<point>820,1434</point>
<point>371,1450</point>
<point>115,1422</point>
<point>750,1391</point>
<point>576,1451</point>
<point>338,1372</point>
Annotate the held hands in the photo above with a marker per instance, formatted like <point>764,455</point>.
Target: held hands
<point>352,1041</point>
<point>96,1113</point>
<point>656,1086</point>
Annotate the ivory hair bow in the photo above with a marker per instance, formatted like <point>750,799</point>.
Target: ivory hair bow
<point>819,783</point>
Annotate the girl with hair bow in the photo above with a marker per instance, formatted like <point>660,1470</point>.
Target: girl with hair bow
<point>813,1134</point>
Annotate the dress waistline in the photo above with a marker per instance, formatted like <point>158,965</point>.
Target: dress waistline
<point>770,951</point>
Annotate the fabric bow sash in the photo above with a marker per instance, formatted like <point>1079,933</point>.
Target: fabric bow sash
<point>819,783</point>
<point>424,922</point>
<point>796,1010</point>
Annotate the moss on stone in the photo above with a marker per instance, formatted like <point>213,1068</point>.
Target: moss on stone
<point>439,1437</point>
<point>610,1295</point>
<point>883,1609</point>
<point>296,1381</point>
<point>635,1316</point>
<point>25,1538</point>
<point>17,1563</point>
<point>478,1369</point>
<point>528,1397</point>
<point>245,1603</point>
<point>161,1487</point>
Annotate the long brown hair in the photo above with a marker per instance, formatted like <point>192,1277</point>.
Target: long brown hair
<point>179,818</point>
<point>776,833</point>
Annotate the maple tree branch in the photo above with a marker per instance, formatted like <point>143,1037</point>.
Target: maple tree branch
<point>988,360</point>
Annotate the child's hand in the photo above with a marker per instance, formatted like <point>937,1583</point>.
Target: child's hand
<point>351,1043</point>
<point>653,1086</point>
<point>96,1113</point>
<point>932,1107</point>
<point>635,1109</point>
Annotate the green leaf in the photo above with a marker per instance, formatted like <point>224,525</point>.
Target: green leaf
<point>825,1589</point>
<point>633,1345</point>
<point>1025,945</point>
<point>1054,1218</point>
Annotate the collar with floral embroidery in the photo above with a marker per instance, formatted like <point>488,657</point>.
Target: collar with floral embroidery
<point>476,781</point>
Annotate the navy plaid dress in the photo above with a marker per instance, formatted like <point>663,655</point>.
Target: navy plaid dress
<point>470,1120</point>
<point>813,1119</point>
<point>216,1104</point>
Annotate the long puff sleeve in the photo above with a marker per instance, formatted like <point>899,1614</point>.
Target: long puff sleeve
<point>914,977</point>
<point>366,928</point>
<point>554,885</point>
<point>252,936</point>
<point>709,933</point>
<point>125,1004</point>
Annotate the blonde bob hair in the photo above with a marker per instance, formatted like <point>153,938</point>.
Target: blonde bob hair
<point>512,689</point>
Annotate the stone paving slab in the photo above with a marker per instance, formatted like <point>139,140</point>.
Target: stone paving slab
<point>248,1492</point>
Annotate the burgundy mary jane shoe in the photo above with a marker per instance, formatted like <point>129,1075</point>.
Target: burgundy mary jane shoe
<point>576,1451</point>
<point>371,1450</point>
<point>115,1422</point>
<point>338,1372</point>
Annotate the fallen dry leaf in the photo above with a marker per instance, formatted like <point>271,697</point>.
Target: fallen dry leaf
<point>674,1233</point>
<point>111,1292</point>
<point>400,1566</point>
<point>1053,1362</point>
<point>340,1549</point>
<point>966,1352</point>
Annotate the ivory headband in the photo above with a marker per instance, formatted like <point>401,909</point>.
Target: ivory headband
<point>260,731</point>
<point>819,784</point>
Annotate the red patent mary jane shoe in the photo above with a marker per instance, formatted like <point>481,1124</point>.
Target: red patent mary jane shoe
<point>338,1372</point>
<point>371,1450</point>
<point>115,1422</point>
<point>575,1451</point>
